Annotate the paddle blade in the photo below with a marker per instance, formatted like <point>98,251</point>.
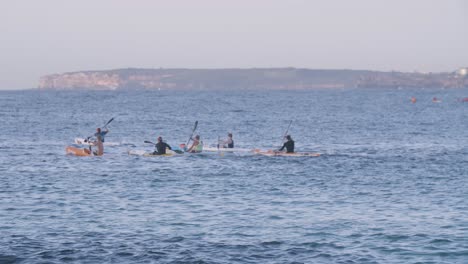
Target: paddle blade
<point>193,130</point>
<point>108,122</point>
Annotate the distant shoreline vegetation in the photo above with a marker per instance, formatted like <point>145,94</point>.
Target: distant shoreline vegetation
<point>248,79</point>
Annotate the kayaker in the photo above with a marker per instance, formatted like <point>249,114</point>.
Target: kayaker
<point>229,142</point>
<point>99,145</point>
<point>196,145</point>
<point>161,147</point>
<point>289,145</point>
<point>102,133</point>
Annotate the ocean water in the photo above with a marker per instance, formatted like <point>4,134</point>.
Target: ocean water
<point>391,185</point>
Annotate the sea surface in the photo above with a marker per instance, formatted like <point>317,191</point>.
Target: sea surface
<point>391,185</point>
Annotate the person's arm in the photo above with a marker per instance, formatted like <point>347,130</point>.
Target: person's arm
<point>281,149</point>
<point>191,147</point>
<point>169,147</point>
<point>194,144</point>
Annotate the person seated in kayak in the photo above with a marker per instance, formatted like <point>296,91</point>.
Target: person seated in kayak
<point>101,133</point>
<point>228,143</point>
<point>161,147</point>
<point>196,145</point>
<point>289,145</point>
<point>99,145</point>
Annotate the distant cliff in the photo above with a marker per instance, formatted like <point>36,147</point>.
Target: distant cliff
<point>231,79</point>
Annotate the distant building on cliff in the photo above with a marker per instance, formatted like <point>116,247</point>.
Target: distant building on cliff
<point>462,71</point>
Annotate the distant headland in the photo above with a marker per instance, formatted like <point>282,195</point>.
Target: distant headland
<point>249,79</point>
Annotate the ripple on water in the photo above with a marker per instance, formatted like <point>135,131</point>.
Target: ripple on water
<point>10,259</point>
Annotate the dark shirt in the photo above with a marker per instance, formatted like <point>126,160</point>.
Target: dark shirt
<point>230,144</point>
<point>161,148</point>
<point>289,145</point>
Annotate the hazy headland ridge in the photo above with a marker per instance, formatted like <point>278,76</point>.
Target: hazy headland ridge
<point>252,79</point>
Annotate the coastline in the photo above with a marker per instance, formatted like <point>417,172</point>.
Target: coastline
<point>248,79</point>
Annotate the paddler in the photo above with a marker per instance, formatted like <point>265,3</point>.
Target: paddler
<point>229,142</point>
<point>161,147</point>
<point>196,145</point>
<point>100,146</point>
<point>289,145</point>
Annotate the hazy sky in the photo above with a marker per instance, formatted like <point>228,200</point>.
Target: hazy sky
<point>54,36</point>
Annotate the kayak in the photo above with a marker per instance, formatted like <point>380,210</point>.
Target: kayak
<point>215,149</point>
<point>83,141</point>
<point>183,148</point>
<point>149,154</point>
<point>271,153</point>
<point>82,152</point>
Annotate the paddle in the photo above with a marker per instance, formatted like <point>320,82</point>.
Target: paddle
<point>287,130</point>
<point>175,150</point>
<point>108,122</point>
<point>193,131</point>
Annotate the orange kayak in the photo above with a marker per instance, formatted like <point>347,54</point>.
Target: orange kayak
<point>82,152</point>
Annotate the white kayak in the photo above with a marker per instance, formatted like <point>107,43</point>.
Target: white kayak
<point>83,141</point>
<point>271,153</point>
<point>215,149</point>
<point>145,153</point>
<point>139,152</point>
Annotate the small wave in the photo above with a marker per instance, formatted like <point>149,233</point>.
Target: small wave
<point>275,217</point>
<point>67,252</point>
<point>311,244</point>
<point>174,239</point>
<point>272,243</point>
<point>124,254</point>
<point>440,241</point>
<point>7,259</point>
